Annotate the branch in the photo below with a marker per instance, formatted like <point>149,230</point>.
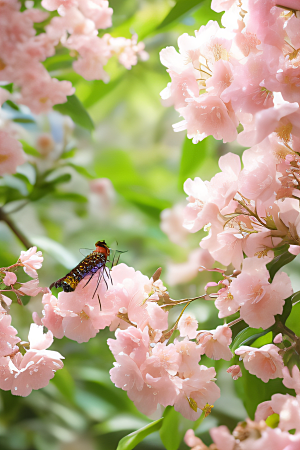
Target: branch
<point>14,229</point>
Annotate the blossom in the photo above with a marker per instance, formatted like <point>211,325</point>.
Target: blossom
<point>31,260</point>
<point>10,278</point>
<point>11,154</point>
<point>235,372</point>
<point>207,115</point>
<point>32,288</point>
<point>286,406</point>
<point>195,392</point>
<point>21,374</point>
<point>292,381</point>
<point>171,224</point>
<point>260,300</point>
<point>215,343</point>
<point>187,326</point>
<point>264,362</point>
<point>8,338</point>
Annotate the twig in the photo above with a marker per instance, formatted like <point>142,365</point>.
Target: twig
<point>14,229</point>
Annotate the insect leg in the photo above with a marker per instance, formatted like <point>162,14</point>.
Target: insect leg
<point>99,279</point>
<point>99,302</point>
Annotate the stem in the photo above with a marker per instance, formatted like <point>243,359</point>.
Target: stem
<point>14,229</point>
<point>230,324</point>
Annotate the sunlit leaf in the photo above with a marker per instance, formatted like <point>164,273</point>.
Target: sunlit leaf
<point>278,262</point>
<point>29,149</point>
<point>192,157</point>
<point>75,109</point>
<point>81,170</point>
<point>130,441</point>
<point>180,9</point>
<point>173,428</point>
<point>247,336</point>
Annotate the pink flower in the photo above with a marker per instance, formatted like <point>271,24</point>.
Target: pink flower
<point>282,119</point>
<point>8,338</point>
<point>94,53</point>
<point>11,154</point>
<point>226,303</point>
<point>222,438</point>
<point>10,278</point>
<point>215,343</point>
<point>44,93</point>
<point>132,342</point>
<point>288,408</point>
<point>190,357</point>
<point>195,392</point>
<point>32,288</point>
<point>193,441</point>
<point>188,326</point>
<point>52,5</point>
<point>264,362</point>
<point>278,338</point>
<point>31,261</point>
<point>235,372</point>
<point>105,192</point>
<point>186,271</point>
<point>98,11</point>
<point>292,381</point>
<point>171,224</point>
<point>182,87</point>
<point>260,300</point>
<point>207,115</point>
<point>53,317</point>
<point>199,211</point>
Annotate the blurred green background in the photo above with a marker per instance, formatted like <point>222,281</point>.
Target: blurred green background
<point>51,202</point>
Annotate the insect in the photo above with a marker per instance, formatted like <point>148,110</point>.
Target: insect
<point>90,265</point>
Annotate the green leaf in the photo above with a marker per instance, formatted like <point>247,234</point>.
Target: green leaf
<point>181,8</point>
<point>65,178</point>
<point>247,336</point>
<point>278,262</point>
<point>8,87</point>
<point>12,105</point>
<point>173,428</point>
<point>69,196</point>
<point>64,383</point>
<point>293,321</point>
<point>29,150</point>
<point>81,170</point>
<point>75,109</point>
<point>253,390</point>
<point>23,120</point>
<point>130,441</point>
<point>287,308</point>
<point>99,90</point>
<point>192,157</point>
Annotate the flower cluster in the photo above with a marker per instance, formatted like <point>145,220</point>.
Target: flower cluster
<point>24,365</point>
<point>247,73</point>
<point>76,28</point>
<point>258,435</point>
<point>151,369</point>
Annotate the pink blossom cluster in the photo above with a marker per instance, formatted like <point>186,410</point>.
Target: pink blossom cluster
<point>24,365</point>
<point>247,211</point>
<point>258,435</point>
<point>151,369</point>
<point>21,56</point>
<point>76,28</point>
<point>246,73</point>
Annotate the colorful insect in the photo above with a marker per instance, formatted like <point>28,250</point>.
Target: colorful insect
<point>90,265</point>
